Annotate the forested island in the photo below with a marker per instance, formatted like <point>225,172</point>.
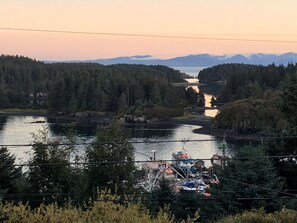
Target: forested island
<point>256,97</point>
<point>77,87</point>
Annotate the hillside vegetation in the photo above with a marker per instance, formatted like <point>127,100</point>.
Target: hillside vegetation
<point>73,87</point>
<point>243,81</point>
<point>251,95</point>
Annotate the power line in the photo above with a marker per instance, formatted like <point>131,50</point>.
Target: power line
<point>107,143</point>
<point>147,199</point>
<point>254,185</point>
<point>127,193</point>
<point>107,162</point>
<point>145,35</point>
<point>146,142</point>
<point>133,194</point>
<point>92,163</point>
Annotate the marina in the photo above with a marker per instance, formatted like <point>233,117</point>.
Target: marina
<point>184,173</point>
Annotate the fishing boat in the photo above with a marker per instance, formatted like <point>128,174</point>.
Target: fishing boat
<point>185,165</point>
<point>196,185</point>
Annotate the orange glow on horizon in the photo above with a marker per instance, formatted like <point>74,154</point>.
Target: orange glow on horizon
<point>265,19</point>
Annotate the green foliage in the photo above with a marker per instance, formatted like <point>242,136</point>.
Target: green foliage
<point>123,103</point>
<point>71,87</point>
<point>259,216</point>
<point>201,99</point>
<point>254,92</point>
<point>161,112</point>
<point>111,145</point>
<point>154,94</point>
<point>288,102</point>
<point>10,176</point>
<point>285,145</point>
<point>244,81</point>
<point>274,113</point>
<point>251,178</point>
<point>250,115</point>
<point>186,206</point>
<point>195,98</point>
<point>45,179</point>
<point>192,96</point>
<point>222,72</point>
<point>72,107</point>
<point>161,197</point>
<point>107,209</point>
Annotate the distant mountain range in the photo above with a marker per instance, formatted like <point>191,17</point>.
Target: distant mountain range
<point>200,60</point>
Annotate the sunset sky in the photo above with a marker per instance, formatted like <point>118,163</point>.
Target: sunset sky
<point>230,19</point>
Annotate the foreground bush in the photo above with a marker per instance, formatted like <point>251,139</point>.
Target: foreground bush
<point>259,216</point>
<point>101,211</point>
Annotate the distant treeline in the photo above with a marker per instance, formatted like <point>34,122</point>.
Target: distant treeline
<point>255,97</point>
<point>72,87</point>
<point>243,81</point>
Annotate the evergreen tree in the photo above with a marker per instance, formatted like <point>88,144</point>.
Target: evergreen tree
<point>111,146</point>
<point>192,96</point>
<point>73,104</point>
<point>10,176</point>
<point>161,197</point>
<point>289,100</point>
<point>4,102</point>
<point>186,205</point>
<point>154,95</point>
<point>50,174</point>
<point>201,99</point>
<point>103,101</point>
<point>122,104</point>
<point>251,178</point>
<point>286,144</point>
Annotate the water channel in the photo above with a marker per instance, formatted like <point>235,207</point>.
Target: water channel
<point>18,130</point>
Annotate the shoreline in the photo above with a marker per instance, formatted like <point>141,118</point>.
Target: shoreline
<point>200,120</point>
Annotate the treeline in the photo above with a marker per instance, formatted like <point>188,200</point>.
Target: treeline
<point>220,73</point>
<point>72,87</point>
<point>252,96</point>
<point>243,81</point>
<point>251,115</point>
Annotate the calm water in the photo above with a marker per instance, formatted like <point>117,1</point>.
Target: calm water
<point>19,129</point>
<point>208,90</point>
<point>192,71</point>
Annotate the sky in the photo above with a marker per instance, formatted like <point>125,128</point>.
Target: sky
<point>227,19</point>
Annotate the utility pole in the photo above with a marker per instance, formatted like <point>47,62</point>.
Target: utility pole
<point>223,147</point>
<point>154,154</point>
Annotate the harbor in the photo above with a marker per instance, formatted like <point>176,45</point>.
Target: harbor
<point>184,173</point>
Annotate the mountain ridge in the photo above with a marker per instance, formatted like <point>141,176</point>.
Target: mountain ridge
<point>199,60</point>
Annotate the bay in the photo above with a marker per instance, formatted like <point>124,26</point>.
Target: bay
<point>16,130</point>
